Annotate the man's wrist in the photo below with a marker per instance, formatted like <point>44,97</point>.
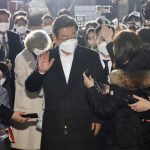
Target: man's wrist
<point>40,72</point>
<point>109,41</point>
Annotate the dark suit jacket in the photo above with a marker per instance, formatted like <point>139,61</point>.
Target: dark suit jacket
<point>5,112</point>
<point>65,104</point>
<point>14,44</point>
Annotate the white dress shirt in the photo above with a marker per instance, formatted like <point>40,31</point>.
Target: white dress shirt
<point>66,61</point>
<point>6,38</point>
<point>102,62</point>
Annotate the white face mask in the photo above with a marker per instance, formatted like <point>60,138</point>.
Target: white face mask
<point>69,46</point>
<point>2,81</point>
<point>21,29</point>
<point>48,29</point>
<point>102,48</point>
<point>37,51</point>
<point>4,26</point>
<point>92,43</point>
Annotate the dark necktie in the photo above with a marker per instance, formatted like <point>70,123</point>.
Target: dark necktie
<point>2,53</point>
<point>106,69</point>
<point>5,47</point>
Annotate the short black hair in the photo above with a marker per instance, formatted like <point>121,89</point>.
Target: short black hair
<point>47,16</point>
<point>64,12</point>
<point>62,22</point>
<point>6,12</point>
<point>100,21</point>
<point>19,13</point>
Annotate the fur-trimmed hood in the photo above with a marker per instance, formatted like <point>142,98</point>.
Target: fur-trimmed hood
<point>130,81</point>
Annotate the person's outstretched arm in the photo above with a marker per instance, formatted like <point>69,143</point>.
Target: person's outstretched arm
<point>9,114</point>
<point>140,106</point>
<point>104,106</point>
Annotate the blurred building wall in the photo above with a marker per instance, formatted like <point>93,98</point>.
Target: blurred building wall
<point>3,4</point>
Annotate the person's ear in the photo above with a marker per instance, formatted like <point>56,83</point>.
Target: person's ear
<point>1,74</point>
<point>55,39</point>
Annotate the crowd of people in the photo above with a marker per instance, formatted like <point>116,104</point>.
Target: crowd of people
<point>89,86</point>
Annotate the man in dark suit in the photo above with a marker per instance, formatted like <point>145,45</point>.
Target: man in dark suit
<point>104,37</point>
<point>10,46</point>
<point>68,123</point>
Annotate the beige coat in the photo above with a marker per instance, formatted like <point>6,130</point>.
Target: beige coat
<point>26,135</point>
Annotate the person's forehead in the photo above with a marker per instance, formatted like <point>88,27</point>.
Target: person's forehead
<point>67,30</point>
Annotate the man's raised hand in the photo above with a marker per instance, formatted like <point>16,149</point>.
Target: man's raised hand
<point>44,62</point>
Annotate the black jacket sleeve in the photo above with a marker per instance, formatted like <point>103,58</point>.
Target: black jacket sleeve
<point>5,112</point>
<point>103,106</point>
<point>34,82</point>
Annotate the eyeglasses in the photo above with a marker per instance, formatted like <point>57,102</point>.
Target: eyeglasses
<point>65,38</point>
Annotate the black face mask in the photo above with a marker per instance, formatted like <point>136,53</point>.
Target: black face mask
<point>133,25</point>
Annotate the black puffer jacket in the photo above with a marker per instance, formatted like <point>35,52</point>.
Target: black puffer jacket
<point>128,132</point>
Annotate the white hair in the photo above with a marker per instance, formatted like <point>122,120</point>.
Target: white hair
<point>37,39</point>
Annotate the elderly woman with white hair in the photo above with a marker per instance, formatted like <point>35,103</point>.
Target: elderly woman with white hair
<point>26,135</point>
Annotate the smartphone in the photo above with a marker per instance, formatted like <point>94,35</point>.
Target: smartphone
<point>30,115</point>
<point>87,72</point>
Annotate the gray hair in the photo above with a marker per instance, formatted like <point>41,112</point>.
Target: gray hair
<point>37,39</point>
